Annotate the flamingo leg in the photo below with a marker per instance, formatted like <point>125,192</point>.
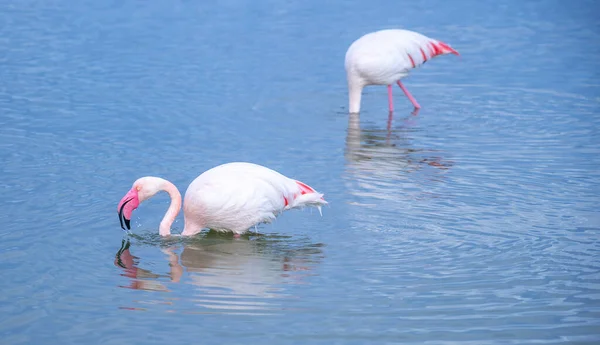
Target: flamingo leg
<point>389,127</point>
<point>390,100</point>
<point>409,96</point>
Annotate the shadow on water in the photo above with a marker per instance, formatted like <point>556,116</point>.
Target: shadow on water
<point>220,273</point>
<point>380,160</point>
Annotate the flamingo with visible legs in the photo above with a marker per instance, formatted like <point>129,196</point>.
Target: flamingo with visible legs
<point>386,56</point>
<point>230,197</point>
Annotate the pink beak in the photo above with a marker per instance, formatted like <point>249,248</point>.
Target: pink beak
<point>126,206</point>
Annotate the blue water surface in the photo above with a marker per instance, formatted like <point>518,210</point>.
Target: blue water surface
<point>474,221</point>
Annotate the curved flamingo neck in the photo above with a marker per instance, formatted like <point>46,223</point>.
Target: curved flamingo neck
<point>174,207</point>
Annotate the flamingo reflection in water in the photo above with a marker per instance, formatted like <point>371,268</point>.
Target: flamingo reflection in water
<point>383,164</point>
<point>140,279</point>
<point>245,274</point>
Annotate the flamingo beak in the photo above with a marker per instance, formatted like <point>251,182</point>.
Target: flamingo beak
<point>123,219</point>
<point>126,206</point>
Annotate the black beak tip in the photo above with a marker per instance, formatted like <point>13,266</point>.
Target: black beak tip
<point>122,217</point>
<point>127,223</point>
<point>121,220</point>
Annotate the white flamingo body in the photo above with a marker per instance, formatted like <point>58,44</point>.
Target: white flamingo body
<point>386,56</point>
<point>236,196</point>
<point>230,197</point>
<point>382,57</point>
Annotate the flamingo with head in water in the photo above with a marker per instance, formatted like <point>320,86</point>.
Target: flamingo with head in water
<point>230,197</point>
<point>384,57</point>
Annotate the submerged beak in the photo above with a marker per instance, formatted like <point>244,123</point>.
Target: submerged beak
<point>126,206</point>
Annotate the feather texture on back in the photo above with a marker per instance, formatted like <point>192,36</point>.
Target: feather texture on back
<point>236,196</point>
<point>385,56</point>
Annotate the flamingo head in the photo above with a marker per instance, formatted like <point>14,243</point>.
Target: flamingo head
<point>142,189</point>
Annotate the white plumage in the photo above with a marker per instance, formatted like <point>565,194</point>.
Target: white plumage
<point>386,56</point>
<point>236,196</point>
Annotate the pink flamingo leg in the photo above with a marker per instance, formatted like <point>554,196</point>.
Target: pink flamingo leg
<point>389,127</point>
<point>390,100</point>
<point>410,97</point>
